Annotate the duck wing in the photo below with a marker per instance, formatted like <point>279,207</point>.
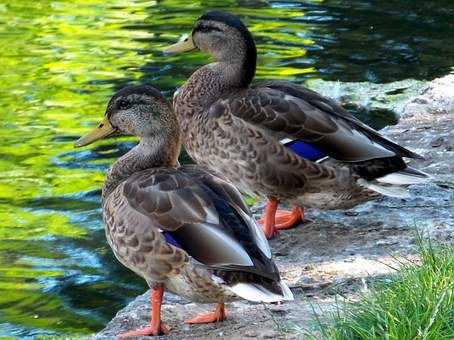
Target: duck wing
<point>294,113</point>
<point>202,215</point>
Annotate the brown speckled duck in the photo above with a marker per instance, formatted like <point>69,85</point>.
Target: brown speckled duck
<point>279,140</point>
<point>181,228</point>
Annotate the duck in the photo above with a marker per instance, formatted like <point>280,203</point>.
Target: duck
<point>277,140</point>
<point>181,228</point>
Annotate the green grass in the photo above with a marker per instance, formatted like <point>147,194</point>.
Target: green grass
<point>415,303</point>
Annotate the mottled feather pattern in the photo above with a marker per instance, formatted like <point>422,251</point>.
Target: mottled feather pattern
<point>236,133</point>
<point>341,117</point>
<point>280,112</point>
<point>250,158</point>
<point>220,185</point>
<point>137,243</point>
<point>177,226</point>
<point>184,202</point>
<point>300,119</point>
<point>196,284</point>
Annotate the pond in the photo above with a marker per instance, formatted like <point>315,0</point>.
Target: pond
<point>60,61</point>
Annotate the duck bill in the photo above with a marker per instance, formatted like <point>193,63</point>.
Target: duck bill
<point>103,130</point>
<point>184,45</point>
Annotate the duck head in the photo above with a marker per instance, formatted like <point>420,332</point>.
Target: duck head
<point>135,110</point>
<point>225,38</point>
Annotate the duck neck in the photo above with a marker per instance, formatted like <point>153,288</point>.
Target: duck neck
<point>233,69</point>
<point>161,149</point>
<point>237,64</point>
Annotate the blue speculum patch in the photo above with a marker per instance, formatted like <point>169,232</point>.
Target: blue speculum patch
<point>170,240</point>
<point>305,150</point>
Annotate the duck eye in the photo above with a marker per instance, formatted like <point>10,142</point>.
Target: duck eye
<point>204,29</point>
<point>123,104</point>
<point>207,29</point>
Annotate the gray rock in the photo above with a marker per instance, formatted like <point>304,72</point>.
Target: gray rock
<point>390,97</point>
<point>437,98</point>
<point>339,251</point>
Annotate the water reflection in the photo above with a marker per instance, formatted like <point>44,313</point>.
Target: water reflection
<point>59,63</point>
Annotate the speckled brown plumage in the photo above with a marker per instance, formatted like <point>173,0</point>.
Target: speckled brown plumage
<point>236,130</point>
<point>182,229</point>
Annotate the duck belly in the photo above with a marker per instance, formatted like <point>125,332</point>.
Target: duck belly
<point>334,199</point>
<point>256,165</point>
<point>196,284</point>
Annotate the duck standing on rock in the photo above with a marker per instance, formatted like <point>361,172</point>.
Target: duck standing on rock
<point>181,228</point>
<point>278,140</point>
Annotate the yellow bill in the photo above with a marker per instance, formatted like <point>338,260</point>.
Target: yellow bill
<point>103,130</point>
<point>184,45</point>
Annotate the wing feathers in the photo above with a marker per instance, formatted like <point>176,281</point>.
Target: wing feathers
<point>203,215</point>
<point>298,113</point>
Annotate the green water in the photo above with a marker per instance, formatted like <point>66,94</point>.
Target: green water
<point>60,61</point>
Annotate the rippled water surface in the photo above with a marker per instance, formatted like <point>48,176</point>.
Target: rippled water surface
<point>59,63</point>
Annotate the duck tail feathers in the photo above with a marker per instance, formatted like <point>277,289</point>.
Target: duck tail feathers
<point>258,293</point>
<point>386,190</point>
<point>406,176</point>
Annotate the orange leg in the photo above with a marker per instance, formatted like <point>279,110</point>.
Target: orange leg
<point>219,314</point>
<point>274,220</point>
<point>156,327</point>
<point>268,219</point>
<point>288,219</point>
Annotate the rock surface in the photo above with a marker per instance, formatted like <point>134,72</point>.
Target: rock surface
<point>364,95</point>
<point>338,251</point>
